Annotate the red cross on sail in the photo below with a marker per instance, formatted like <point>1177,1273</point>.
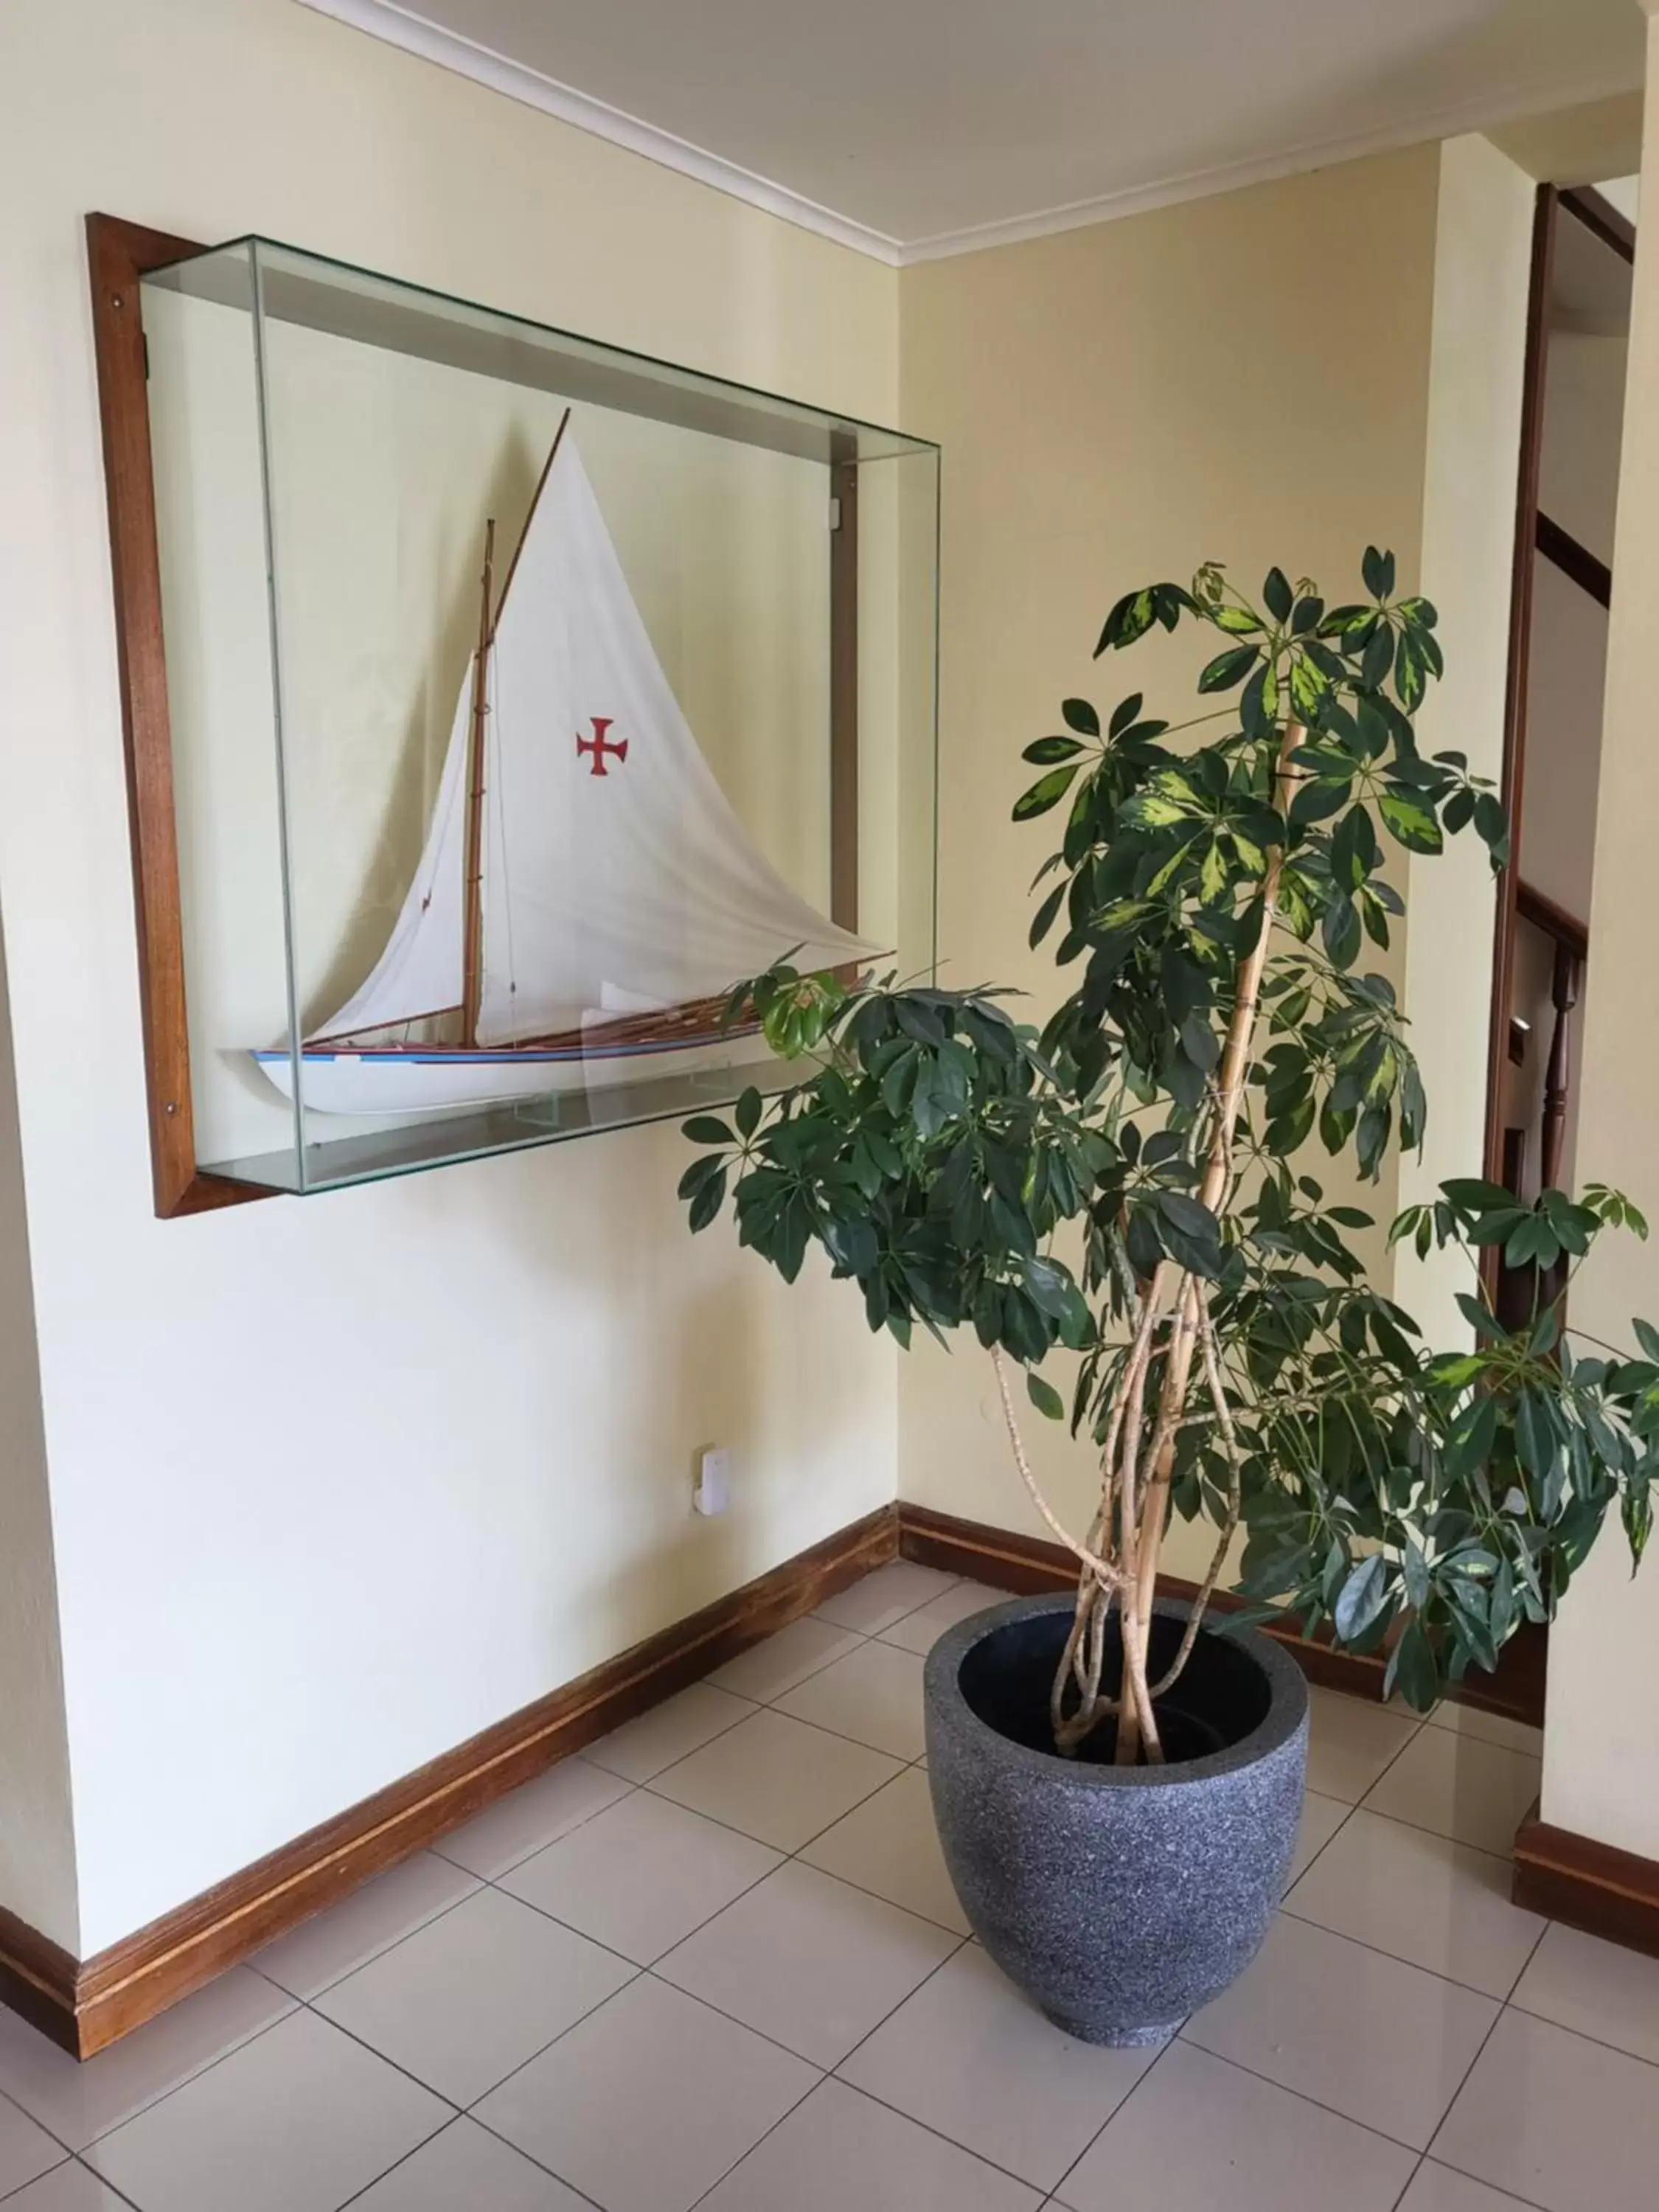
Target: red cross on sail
<point>600,893</point>
<point>599,744</point>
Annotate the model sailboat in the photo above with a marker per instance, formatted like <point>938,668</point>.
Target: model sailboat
<point>587,898</point>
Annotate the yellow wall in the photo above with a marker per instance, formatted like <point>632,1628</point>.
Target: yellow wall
<point>1483,263</point>
<point>1244,378</point>
<point>335,1483</point>
<point>1601,1732</point>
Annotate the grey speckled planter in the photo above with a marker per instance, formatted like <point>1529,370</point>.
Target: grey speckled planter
<point>1118,1899</point>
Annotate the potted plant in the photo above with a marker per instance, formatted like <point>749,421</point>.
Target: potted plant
<point>1118,1775</point>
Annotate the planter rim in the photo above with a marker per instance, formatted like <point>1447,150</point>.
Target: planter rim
<point>1287,1702</point>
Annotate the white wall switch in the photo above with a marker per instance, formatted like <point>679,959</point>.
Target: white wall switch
<point>713,1490</point>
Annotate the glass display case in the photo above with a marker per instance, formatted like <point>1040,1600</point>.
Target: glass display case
<point>523,696</point>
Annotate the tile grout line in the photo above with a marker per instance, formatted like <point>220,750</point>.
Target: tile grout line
<point>1464,2080</point>
<point>150,2104</point>
<point>631,1787</point>
<point>426,2144</point>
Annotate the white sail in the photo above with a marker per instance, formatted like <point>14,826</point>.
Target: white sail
<point>421,970</point>
<point>616,878</point>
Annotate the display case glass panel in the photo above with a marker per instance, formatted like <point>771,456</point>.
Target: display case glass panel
<point>525,695</point>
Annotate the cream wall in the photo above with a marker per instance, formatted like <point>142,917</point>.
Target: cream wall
<point>335,1483</point>
<point>1243,377</point>
<point>1482,277</point>
<point>1602,1729</point>
<point>37,1835</point>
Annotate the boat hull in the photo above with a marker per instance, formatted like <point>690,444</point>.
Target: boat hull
<point>412,1082</point>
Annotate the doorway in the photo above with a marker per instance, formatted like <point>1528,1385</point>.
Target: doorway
<point>1584,249</point>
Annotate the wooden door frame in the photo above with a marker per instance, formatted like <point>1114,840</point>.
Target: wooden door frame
<point>1544,216</point>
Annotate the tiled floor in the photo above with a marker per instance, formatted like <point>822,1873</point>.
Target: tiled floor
<point>716,1961</point>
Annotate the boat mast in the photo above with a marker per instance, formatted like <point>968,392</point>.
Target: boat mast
<point>472,940</point>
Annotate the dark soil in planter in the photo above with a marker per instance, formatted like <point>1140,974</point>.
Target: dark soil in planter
<point>1220,1699</point>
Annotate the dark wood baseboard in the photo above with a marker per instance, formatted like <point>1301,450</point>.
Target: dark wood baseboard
<point>86,2004</point>
<point>1591,1885</point>
<point>1031,1564</point>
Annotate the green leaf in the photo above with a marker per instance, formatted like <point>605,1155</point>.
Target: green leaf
<point>1044,751</point>
<point>1124,714</point>
<point>1412,821</point>
<point>1187,1215</point>
<point>1362,1598</point>
<point>1377,569</point>
<point>1277,592</point>
<point>1044,1396</point>
<point>697,1176</point>
<point>1410,671</point>
<point>1043,920</point>
<point>1229,668</point>
<point>1131,618</point>
<point>1340,929</point>
<point>1047,791</point>
<point>748,1113</point>
<point>709,1200</point>
<point>1413,1668</point>
<point>1079,714</point>
<point>1199,1042</point>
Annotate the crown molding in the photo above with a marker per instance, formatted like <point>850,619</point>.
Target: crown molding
<point>1485,114</point>
<point>402,27</point>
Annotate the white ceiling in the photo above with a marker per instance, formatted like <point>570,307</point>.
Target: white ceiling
<point>913,127</point>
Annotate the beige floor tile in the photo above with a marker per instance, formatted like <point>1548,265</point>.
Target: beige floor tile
<point>26,2149</point>
<point>1321,1819</point>
<point>884,1597</point>
<point>1423,1899</point>
<point>533,1816</point>
<point>842,2151</point>
<point>466,2169</point>
<point>1488,1728</point>
<point>776,1779</point>
<point>890,1846</point>
<point>641,1876</point>
<point>971,2057</point>
<point>1563,2123</point>
<point>1351,1741</point>
<point>370,1920</point>
<point>472,1995</point>
<point>1437,2188</point>
<point>1455,1785</point>
<point>873,1695</point>
<point>71,2188</point>
<point>766,1670</point>
<point>920,1630</point>
<point>644,1747</point>
<point>649,2101</point>
<point>78,2102</point>
<point>296,2121</point>
<point>1383,2042</point>
<point>1600,1988</point>
<point>1197,2131</point>
<point>808,1961</point>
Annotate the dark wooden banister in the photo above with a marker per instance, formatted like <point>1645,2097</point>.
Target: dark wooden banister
<point>1570,937</point>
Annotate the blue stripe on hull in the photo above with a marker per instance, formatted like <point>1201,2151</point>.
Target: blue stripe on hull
<point>529,1056</point>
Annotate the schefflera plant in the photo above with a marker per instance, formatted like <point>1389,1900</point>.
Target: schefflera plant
<point>1129,1183</point>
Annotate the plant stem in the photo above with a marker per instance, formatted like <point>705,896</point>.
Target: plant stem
<point>1136,1727</point>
